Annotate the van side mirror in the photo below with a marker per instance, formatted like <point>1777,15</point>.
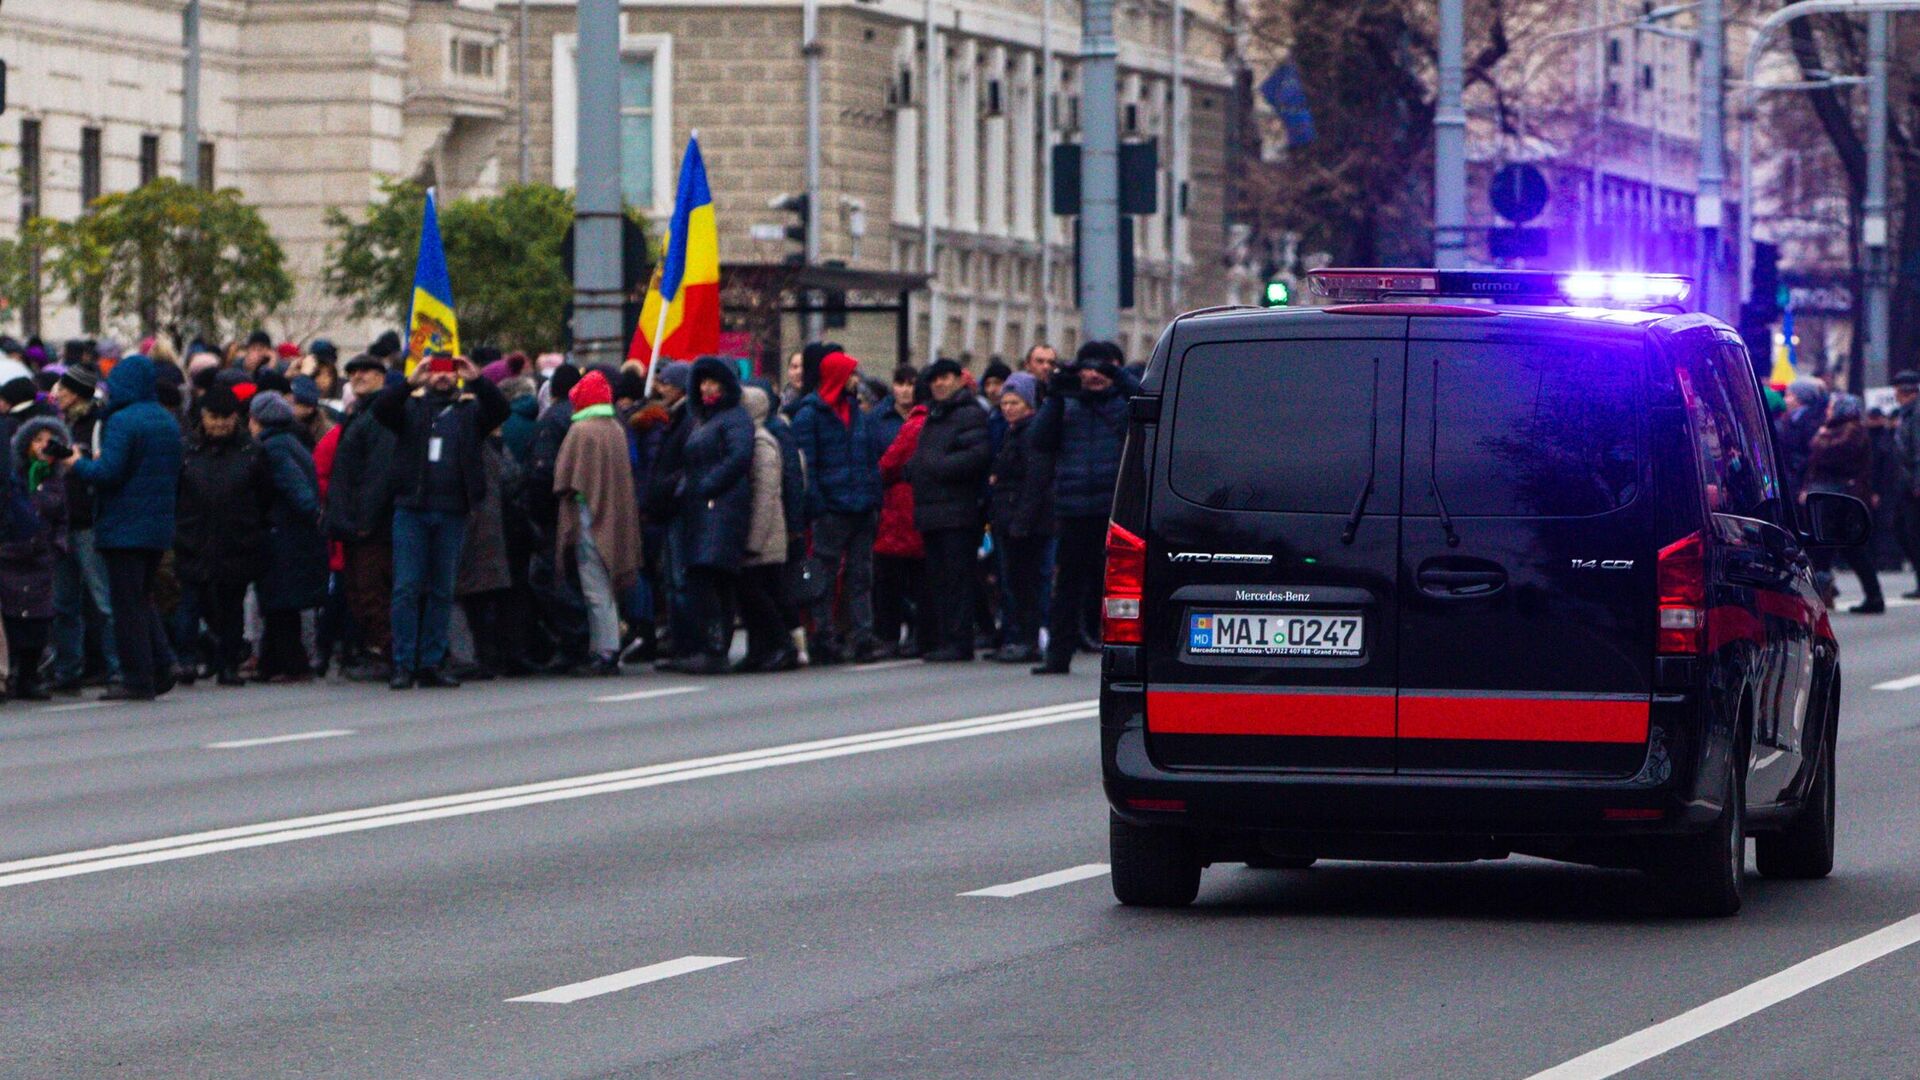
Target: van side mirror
<point>1836,521</point>
<point>1144,408</point>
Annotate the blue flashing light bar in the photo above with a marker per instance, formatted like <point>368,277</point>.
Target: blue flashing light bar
<point>1581,287</point>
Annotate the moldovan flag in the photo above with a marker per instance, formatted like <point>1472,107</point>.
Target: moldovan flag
<point>681,317</point>
<point>431,326</point>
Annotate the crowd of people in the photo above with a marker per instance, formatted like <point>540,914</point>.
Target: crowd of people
<point>1828,441</point>
<point>265,512</point>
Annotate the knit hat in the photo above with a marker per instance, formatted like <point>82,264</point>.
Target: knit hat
<point>1846,407</point>
<point>630,386</point>
<point>287,350</point>
<point>269,379</point>
<point>590,391</point>
<point>677,375</point>
<point>944,366</point>
<point>259,337</point>
<point>270,408</point>
<point>18,391</point>
<point>996,370</point>
<point>80,380</point>
<point>305,391</point>
<point>1808,392</point>
<point>496,372</point>
<point>200,362</point>
<point>385,346</point>
<point>219,401</point>
<point>1908,378</point>
<point>325,350</point>
<point>565,378</point>
<point>1024,385</point>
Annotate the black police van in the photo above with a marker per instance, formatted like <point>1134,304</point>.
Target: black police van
<point>1417,576</point>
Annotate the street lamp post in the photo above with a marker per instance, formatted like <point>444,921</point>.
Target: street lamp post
<point>1450,144</point>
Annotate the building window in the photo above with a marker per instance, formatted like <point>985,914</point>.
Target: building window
<point>89,166</point>
<point>29,209</point>
<point>149,159</point>
<point>1613,50</point>
<point>1646,76</point>
<point>206,167</point>
<point>636,129</point>
<point>471,59</point>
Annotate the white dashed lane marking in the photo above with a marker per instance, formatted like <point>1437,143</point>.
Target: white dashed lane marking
<point>624,980</point>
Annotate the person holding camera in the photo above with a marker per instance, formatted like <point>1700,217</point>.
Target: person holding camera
<point>1081,426</point>
<point>440,415</point>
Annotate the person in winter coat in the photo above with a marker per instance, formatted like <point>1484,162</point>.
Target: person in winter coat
<point>438,477</point>
<point>135,478</point>
<point>293,576</point>
<point>483,586</point>
<point>220,534</point>
<point>1795,428</point>
<point>562,610</point>
<point>793,506</point>
<point>21,397</point>
<point>768,646</point>
<point>715,507</point>
<point>80,594</point>
<point>1082,425</point>
<point>899,552</point>
<point>949,473</point>
<point>661,504</point>
<point>1840,458</point>
<point>360,515</point>
<point>523,412</point>
<point>1906,453</point>
<point>599,519</point>
<point>840,446</point>
<point>26,562</point>
<point>1021,517</point>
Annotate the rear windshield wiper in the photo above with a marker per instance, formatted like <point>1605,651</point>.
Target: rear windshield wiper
<point>1433,460</point>
<point>1373,448</point>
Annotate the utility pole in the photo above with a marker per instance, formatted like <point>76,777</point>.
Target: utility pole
<point>1176,241</point>
<point>190,96</point>
<point>1873,217</point>
<point>1047,87</point>
<point>810,255</point>
<point>1099,174</point>
<point>1450,144</point>
<point>597,288</point>
<point>1709,201</point>
<point>933,193</point>
<point>520,71</point>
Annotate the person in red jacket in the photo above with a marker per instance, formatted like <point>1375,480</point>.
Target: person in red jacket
<point>899,554</point>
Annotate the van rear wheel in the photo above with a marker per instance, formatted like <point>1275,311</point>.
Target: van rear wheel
<point>1152,867</point>
<point>1704,875</point>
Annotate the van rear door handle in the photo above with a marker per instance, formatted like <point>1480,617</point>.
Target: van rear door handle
<point>1460,584</point>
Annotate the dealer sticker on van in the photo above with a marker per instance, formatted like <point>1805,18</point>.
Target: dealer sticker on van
<point>1253,634</point>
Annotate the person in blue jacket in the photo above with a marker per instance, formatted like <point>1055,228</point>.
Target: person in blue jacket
<point>135,478</point>
<point>715,495</point>
<point>841,448</point>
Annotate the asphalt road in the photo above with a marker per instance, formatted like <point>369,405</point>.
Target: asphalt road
<point>766,876</point>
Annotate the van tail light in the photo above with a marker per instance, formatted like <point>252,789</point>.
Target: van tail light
<point>1683,597</point>
<point>1125,584</point>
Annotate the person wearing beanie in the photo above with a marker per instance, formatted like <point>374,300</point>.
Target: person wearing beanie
<point>440,417</point>
<point>293,572</point>
<point>1020,513</point>
<point>360,514</point>
<point>598,521</point>
<point>629,388</point>
<point>523,402</point>
<point>948,472</point>
<point>311,419</point>
<point>220,531</point>
<point>326,351</point>
<point>22,400</point>
<point>80,593</point>
<point>385,347</point>
<point>268,378</point>
<point>1081,426</point>
<point>558,603</point>
<point>841,447</point>
<point>135,478</point>
<point>259,352</point>
<point>1795,428</point>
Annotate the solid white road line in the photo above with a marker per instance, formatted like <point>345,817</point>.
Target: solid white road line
<point>621,980</point>
<point>190,845</point>
<point>1907,683</point>
<point>269,740</point>
<point>642,695</point>
<point>1649,1043</point>
<point>76,706</point>
<point>1044,881</point>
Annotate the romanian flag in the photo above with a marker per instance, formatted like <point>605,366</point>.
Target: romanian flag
<point>431,326</point>
<point>681,317</point>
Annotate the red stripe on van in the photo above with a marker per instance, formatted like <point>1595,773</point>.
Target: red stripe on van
<point>1523,719</point>
<point>1335,715</point>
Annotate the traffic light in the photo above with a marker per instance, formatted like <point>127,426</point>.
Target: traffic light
<point>1279,294</point>
<point>797,231</point>
<point>1764,292</point>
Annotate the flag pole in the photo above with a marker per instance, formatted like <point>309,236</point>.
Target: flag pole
<point>666,302</point>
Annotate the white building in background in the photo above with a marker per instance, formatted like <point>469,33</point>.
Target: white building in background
<point>304,106</point>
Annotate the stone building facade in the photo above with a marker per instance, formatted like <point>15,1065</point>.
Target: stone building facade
<point>304,106</point>
<point>975,120</point>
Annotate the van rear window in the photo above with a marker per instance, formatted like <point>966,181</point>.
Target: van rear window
<point>1541,429</point>
<point>1278,425</point>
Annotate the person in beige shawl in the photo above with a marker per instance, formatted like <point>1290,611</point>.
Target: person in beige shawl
<point>769,647</point>
<point>600,523</point>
